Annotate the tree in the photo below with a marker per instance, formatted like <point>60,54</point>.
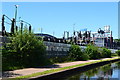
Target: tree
<point>76,54</point>
<point>118,52</point>
<point>106,53</point>
<point>24,50</point>
<point>93,51</point>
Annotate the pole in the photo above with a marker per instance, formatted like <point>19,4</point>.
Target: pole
<point>64,35</point>
<point>111,40</point>
<point>73,29</point>
<point>41,30</point>
<point>16,28</point>
<point>15,12</point>
<point>29,28</point>
<point>67,34</point>
<point>15,15</point>
<point>53,33</point>
<point>93,38</point>
<point>21,26</point>
<point>12,26</point>
<point>3,27</point>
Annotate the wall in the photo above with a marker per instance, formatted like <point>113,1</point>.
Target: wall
<point>56,49</point>
<point>53,49</point>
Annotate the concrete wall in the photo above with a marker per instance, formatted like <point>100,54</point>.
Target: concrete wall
<point>57,49</point>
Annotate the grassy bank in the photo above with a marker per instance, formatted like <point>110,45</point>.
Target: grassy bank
<point>60,69</point>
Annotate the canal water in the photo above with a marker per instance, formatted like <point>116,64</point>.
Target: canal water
<point>106,72</point>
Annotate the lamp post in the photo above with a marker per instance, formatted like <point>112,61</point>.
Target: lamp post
<point>16,6</point>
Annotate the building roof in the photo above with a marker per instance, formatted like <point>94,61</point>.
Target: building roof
<point>46,35</point>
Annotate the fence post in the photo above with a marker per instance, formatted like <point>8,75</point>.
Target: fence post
<point>3,27</point>
<point>12,26</point>
<point>16,28</point>
<point>29,28</point>
<point>21,26</point>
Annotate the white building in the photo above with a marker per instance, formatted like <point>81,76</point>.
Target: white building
<point>104,42</point>
<point>99,42</point>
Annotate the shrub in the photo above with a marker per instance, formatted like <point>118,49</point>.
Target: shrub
<point>93,52</point>
<point>75,53</point>
<point>24,50</point>
<point>118,52</point>
<point>106,53</point>
<point>59,59</point>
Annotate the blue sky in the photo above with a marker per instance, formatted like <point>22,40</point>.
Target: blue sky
<point>58,17</point>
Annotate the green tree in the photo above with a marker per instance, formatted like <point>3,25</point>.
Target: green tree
<point>118,52</point>
<point>75,53</point>
<point>25,49</point>
<point>117,42</point>
<point>106,53</point>
<point>93,51</point>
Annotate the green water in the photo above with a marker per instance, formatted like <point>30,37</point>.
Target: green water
<point>106,72</point>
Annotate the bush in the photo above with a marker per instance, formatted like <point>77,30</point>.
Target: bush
<point>76,54</point>
<point>106,53</point>
<point>25,50</point>
<point>118,52</point>
<point>93,52</point>
<point>57,59</point>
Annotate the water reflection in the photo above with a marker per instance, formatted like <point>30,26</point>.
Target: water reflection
<point>106,72</point>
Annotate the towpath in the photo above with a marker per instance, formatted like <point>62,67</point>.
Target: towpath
<point>28,71</point>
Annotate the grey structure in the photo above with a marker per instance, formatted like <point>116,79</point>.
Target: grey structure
<point>56,49</point>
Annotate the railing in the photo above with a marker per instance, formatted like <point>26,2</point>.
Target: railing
<point>53,49</point>
<point>56,49</point>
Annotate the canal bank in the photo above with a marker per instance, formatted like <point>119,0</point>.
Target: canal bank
<point>65,73</point>
<point>109,71</point>
<point>61,70</point>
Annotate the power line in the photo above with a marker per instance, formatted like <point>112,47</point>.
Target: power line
<point>25,22</point>
<point>7,17</point>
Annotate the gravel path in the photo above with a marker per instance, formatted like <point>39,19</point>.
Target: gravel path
<point>28,71</point>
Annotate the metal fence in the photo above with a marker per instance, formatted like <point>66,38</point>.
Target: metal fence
<point>56,49</point>
<point>53,49</point>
